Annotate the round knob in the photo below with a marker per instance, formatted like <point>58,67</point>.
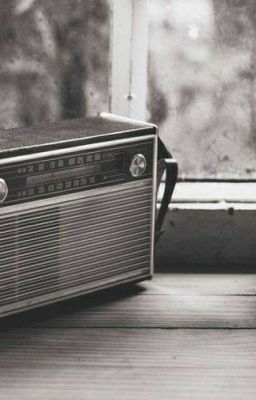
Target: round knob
<point>138,165</point>
<point>3,190</point>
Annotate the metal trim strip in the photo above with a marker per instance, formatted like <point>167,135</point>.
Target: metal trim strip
<point>28,157</point>
<point>154,202</point>
<point>73,279</point>
<point>56,200</point>
<point>66,267</point>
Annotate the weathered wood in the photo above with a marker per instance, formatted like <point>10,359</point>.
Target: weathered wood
<point>163,311</point>
<point>168,301</point>
<point>128,364</point>
<point>131,384</point>
<point>206,284</point>
<point>111,345</point>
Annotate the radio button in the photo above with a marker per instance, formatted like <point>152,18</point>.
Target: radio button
<point>138,165</point>
<point>3,190</point>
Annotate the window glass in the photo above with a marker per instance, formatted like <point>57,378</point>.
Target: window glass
<point>54,60</point>
<point>202,84</point>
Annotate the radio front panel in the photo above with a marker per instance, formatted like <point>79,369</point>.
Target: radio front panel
<point>76,220</point>
<point>80,169</point>
<point>81,243</point>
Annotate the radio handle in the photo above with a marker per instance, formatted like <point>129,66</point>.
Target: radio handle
<point>170,165</point>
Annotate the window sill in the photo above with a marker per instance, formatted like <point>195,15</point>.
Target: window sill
<point>213,192</point>
<point>209,227</point>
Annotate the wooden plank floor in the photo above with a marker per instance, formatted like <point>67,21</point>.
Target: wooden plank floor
<point>176,337</point>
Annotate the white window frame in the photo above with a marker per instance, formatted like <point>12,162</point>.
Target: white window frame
<point>226,204</point>
<point>129,58</point>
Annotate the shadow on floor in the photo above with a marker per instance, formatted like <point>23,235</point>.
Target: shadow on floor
<point>28,318</point>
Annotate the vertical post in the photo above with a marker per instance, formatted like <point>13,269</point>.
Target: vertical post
<point>129,58</point>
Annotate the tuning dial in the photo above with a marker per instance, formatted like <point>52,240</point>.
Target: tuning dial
<point>3,190</point>
<point>138,165</point>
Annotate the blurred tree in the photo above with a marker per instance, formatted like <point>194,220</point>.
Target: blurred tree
<point>240,34</point>
<point>81,38</point>
<point>54,56</point>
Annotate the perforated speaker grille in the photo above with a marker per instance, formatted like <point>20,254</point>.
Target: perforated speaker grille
<point>78,244</point>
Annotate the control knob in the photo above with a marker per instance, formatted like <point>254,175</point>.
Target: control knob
<point>138,165</point>
<point>3,190</point>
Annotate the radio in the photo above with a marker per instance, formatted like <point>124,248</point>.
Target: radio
<point>77,208</point>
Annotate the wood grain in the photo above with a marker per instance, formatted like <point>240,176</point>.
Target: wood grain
<point>162,311</point>
<point>168,301</point>
<point>127,364</point>
<point>133,384</point>
<point>206,284</point>
<point>137,343</point>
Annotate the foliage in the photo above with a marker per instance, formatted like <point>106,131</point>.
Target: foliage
<point>203,64</point>
<point>54,59</point>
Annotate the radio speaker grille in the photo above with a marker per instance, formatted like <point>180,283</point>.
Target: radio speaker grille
<point>56,250</point>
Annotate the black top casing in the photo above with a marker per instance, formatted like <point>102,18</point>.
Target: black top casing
<point>44,137</point>
<point>31,167</point>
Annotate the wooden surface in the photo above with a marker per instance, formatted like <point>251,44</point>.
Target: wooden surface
<point>176,337</point>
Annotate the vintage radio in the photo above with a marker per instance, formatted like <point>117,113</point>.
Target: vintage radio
<point>77,208</point>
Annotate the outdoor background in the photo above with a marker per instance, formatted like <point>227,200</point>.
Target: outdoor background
<point>55,63</point>
<point>53,60</point>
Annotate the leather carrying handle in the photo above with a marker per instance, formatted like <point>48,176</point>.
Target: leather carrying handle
<point>168,164</point>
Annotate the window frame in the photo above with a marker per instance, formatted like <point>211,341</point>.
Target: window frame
<point>192,198</point>
<point>129,58</point>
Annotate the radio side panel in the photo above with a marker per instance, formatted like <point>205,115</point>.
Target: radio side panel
<point>71,243</point>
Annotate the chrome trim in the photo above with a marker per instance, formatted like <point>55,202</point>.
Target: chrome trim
<point>154,201</point>
<point>46,204</point>
<point>52,201</point>
<point>80,247</point>
<point>134,159</point>
<point>27,157</point>
<point>115,117</point>
<point>118,147</point>
<point>3,190</point>
<point>137,248</point>
<point>68,265</point>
